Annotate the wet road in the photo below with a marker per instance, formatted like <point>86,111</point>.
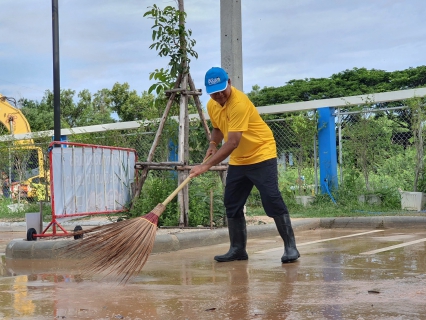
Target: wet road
<point>342,274</point>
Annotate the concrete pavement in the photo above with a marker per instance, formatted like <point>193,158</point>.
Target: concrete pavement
<point>45,248</point>
<point>343,273</point>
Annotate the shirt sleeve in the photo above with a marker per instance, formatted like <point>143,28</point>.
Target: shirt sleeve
<point>209,111</point>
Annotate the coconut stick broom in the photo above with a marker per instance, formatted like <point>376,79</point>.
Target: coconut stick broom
<point>120,249</point>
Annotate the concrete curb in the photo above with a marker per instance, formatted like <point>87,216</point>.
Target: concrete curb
<point>22,226</point>
<point>180,241</point>
<point>50,249</point>
<point>376,222</point>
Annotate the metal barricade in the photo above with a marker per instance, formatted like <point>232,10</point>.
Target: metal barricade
<point>87,180</point>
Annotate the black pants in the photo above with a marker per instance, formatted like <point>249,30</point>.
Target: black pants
<point>240,181</point>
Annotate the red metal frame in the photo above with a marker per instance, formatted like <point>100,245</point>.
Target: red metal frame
<point>54,223</point>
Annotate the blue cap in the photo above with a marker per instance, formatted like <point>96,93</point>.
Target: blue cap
<point>216,80</point>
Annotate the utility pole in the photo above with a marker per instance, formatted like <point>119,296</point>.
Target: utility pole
<point>231,41</point>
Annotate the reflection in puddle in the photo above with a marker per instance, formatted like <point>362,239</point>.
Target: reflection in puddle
<point>21,303</point>
<point>330,281</point>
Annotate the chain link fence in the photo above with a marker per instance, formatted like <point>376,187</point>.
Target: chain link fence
<point>378,151</point>
<point>24,170</point>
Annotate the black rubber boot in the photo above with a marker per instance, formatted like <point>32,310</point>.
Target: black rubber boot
<point>238,238</point>
<point>285,230</point>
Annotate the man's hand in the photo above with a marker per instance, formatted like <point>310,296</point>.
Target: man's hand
<point>197,170</point>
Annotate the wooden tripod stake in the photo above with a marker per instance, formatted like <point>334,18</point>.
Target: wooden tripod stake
<point>183,82</point>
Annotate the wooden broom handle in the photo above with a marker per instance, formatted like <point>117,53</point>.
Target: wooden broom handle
<point>174,193</point>
<point>180,187</point>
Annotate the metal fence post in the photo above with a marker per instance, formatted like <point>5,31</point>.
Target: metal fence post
<point>327,149</point>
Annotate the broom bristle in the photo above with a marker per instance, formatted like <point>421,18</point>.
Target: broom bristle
<point>120,249</point>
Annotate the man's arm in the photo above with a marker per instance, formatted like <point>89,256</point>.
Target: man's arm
<point>216,136</point>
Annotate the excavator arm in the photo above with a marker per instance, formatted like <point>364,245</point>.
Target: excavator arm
<point>27,169</point>
<point>13,119</point>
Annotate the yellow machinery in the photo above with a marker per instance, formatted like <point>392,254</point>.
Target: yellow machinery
<point>27,171</point>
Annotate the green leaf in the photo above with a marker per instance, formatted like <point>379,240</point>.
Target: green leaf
<point>152,88</point>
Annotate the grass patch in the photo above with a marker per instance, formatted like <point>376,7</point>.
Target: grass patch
<point>323,207</point>
<point>17,213</point>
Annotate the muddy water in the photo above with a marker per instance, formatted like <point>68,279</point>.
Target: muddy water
<point>332,280</point>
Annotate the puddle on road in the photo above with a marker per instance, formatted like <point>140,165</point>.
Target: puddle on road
<point>331,281</point>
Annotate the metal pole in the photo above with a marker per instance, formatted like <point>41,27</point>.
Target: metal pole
<point>339,117</point>
<point>56,79</point>
<point>327,150</point>
<point>316,164</point>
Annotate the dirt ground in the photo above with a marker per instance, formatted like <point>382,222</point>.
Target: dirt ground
<point>255,220</point>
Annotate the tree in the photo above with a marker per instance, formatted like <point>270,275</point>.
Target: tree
<point>173,40</point>
<point>349,83</point>
<point>82,112</point>
<point>346,83</point>
<point>38,114</point>
<point>102,107</point>
<point>129,105</point>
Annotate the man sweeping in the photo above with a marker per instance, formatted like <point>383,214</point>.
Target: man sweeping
<point>253,162</point>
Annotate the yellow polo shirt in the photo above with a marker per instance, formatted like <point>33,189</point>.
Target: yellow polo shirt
<point>239,114</point>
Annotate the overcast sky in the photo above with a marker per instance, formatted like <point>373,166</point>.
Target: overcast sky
<point>107,41</point>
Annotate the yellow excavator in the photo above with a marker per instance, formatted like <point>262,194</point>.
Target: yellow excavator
<point>25,168</point>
